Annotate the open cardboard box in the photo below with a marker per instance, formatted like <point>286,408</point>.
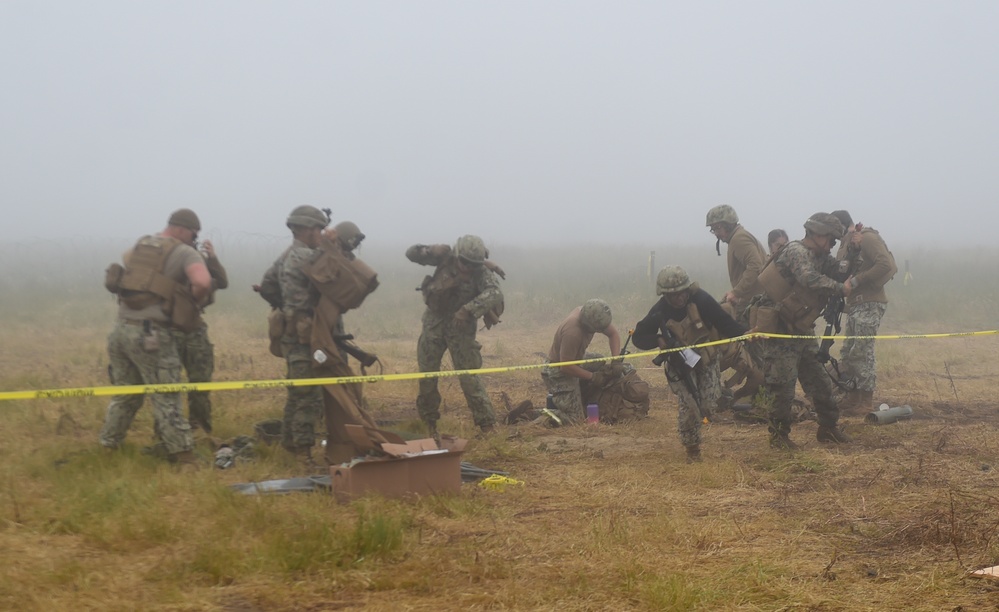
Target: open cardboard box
<point>404,471</point>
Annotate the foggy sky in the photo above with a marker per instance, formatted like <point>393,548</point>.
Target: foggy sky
<point>524,122</point>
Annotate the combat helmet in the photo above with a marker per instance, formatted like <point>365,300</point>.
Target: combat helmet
<point>595,315</point>
<point>722,214</point>
<point>308,216</point>
<point>471,250</point>
<point>349,234</point>
<point>672,279</point>
<point>185,217</point>
<point>825,224</point>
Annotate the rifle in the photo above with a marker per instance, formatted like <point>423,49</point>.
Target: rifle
<point>624,347</point>
<point>681,372</point>
<point>832,313</point>
<point>343,341</point>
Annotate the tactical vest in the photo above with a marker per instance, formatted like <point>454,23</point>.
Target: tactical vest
<point>343,280</point>
<point>436,291</point>
<point>140,283</point>
<point>797,306</point>
<point>693,330</point>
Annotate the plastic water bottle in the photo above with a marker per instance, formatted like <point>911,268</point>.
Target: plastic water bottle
<point>592,413</point>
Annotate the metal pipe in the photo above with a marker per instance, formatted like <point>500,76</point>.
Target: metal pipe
<point>884,417</point>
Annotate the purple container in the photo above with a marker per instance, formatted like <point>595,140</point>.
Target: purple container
<point>592,413</point>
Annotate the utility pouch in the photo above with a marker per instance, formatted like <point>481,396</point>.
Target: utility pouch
<point>303,329</point>
<point>763,319</point>
<point>185,314</point>
<point>799,312</point>
<point>275,331</point>
<point>112,277</point>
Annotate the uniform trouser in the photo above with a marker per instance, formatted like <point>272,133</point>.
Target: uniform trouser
<point>706,378</point>
<point>136,361</point>
<point>197,355</point>
<point>857,354</point>
<point>784,363</point>
<point>466,354</point>
<point>566,394</point>
<point>304,407</point>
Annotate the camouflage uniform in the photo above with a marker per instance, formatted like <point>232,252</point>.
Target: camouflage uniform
<point>142,350</point>
<point>872,266</point>
<point>304,406</point>
<point>566,393</point>
<point>857,354</point>
<point>197,355</point>
<point>132,364</point>
<point>477,292</point>
<point>706,374</point>
<point>785,361</point>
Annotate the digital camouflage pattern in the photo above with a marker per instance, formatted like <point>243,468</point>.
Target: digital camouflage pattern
<point>298,299</point>
<point>707,379</point>
<point>303,407</point>
<point>197,356</point>
<point>466,354</point>
<point>449,290</point>
<point>132,364</point>
<point>857,354</point>
<point>566,393</point>
<point>788,361</point>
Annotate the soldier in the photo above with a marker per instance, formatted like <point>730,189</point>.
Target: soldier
<point>349,237</point>
<point>160,288</point>
<point>195,350</point>
<point>686,315</point>
<point>462,289</point>
<point>775,240</point>
<point>286,286</point>
<point>796,282</point>
<point>745,256</point>
<point>865,256</point>
<point>571,340</point>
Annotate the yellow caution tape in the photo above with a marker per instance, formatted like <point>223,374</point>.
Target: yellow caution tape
<point>109,390</point>
<point>499,483</point>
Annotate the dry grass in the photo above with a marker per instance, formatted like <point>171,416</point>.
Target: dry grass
<point>610,518</point>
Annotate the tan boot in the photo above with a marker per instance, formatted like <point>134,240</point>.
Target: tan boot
<point>865,401</point>
<point>781,440</point>
<point>850,405</point>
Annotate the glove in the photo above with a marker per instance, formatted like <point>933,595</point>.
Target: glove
<point>613,369</point>
<point>599,379</point>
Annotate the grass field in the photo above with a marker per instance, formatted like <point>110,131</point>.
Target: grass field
<point>608,518</point>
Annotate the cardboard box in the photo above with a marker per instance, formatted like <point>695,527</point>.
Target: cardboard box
<point>417,467</point>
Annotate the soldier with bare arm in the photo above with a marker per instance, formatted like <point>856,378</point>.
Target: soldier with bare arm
<point>161,286</point>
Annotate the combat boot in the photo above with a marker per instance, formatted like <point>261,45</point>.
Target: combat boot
<point>693,453</point>
<point>866,401</point>
<point>850,404</point>
<point>781,440</point>
<point>832,433</point>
